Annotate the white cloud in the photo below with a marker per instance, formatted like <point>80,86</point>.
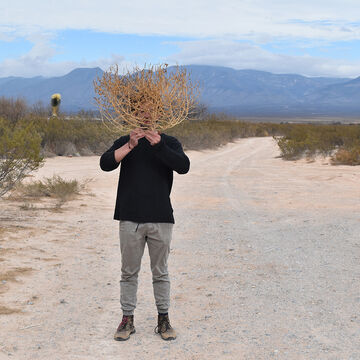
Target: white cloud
<point>29,67</point>
<point>38,61</point>
<point>229,53</point>
<point>236,19</point>
<point>247,56</point>
<point>259,21</point>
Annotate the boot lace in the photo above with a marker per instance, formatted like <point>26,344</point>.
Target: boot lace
<point>162,326</point>
<point>123,323</point>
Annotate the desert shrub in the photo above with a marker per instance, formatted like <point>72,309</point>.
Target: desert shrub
<point>213,131</point>
<point>90,134</point>
<point>290,149</point>
<point>12,109</point>
<point>19,153</point>
<point>57,132</point>
<point>82,133</point>
<point>39,109</point>
<point>55,187</point>
<point>347,156</point>
<point>203,134</point>
<point>216,130</point>
<point>297,140</point>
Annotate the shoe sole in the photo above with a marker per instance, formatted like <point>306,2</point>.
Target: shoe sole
<point>169,338</point>
<point>121,339</point>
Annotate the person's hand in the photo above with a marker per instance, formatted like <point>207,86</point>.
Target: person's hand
<point>152,136</point>
<point>135,135</point>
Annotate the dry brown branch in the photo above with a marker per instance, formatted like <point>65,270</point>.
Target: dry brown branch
<point>150,98</point>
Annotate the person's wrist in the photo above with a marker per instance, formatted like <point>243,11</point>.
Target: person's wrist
<point>129,145</point>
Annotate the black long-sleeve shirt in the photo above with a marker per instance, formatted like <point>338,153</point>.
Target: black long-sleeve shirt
<point>146,177</point>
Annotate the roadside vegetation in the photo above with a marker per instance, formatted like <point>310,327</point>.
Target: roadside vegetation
<point>57,188</point>
<point>340,142</point>
<point>20,147</point>
<point>29,134</point>
<point>219,129</point>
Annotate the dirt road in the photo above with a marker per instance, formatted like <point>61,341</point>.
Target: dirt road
<point>264,264</point>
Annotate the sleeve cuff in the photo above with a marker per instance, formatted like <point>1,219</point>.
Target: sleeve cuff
<point>113,158</point>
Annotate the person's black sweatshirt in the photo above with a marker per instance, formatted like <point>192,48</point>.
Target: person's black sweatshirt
<point>146,177</point>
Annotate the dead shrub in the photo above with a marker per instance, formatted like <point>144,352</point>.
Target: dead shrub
<point>347,156</point>
<point>54,187</point>
<point>13,109</point>
<point>168,98</point>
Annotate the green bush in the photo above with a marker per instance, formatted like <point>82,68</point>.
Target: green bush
<point>20,148</point>
<point>297,140</point>
<point>84,133</point>
<point>89,134</point>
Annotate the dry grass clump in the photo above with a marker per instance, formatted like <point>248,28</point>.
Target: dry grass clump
<point>347,156</point>
<point>51,187</point>
<point>54,187</point>
<point>7,311</point>
<point>166,97</point>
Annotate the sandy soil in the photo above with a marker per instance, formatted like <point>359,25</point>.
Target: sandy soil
<point>264,264</point>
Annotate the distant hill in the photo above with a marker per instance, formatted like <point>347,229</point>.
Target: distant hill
<point>76,88</point>
<point>239,92</point>
<point>345,93</point>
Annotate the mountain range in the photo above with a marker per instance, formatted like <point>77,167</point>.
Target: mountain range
<point>237,92</point>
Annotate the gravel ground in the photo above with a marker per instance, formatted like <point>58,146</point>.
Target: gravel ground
<point>264,264</point>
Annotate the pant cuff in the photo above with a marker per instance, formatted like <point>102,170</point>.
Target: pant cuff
<point>163,311</point>
<point>127,313</point>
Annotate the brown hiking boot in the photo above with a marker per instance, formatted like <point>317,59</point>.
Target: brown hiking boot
<point>125,328</point>
<point>164,328</point>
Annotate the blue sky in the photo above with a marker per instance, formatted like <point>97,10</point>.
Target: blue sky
<point>312,38</point>
<point>90,45</point>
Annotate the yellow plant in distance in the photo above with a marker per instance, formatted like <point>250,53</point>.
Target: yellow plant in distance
<point>55,103</point>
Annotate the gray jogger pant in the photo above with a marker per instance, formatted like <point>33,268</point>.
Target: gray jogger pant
<point>133,237</point>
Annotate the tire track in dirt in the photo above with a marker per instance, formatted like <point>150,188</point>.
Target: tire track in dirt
<point>252,277</point>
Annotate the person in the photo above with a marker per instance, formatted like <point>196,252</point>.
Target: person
<point>143,208</point>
